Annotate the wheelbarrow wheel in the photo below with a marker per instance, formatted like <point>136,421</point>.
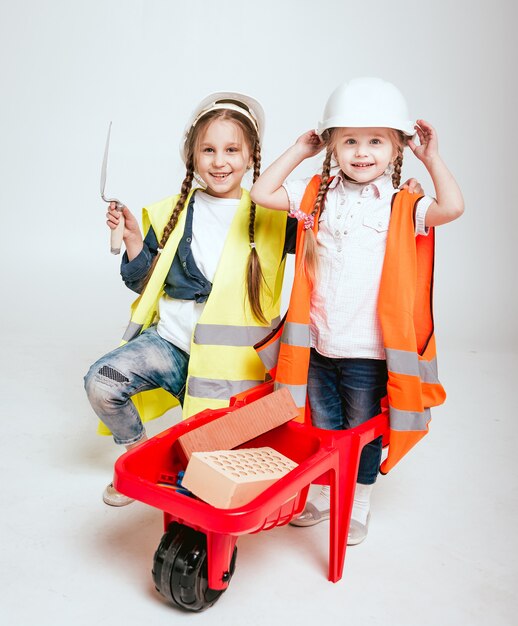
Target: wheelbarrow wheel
<point>180,569</point>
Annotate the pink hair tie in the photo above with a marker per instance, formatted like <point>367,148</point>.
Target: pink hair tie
<point>308,219</point>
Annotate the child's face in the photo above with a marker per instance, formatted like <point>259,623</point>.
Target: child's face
<point>222,157</point>
<point>364,153</point>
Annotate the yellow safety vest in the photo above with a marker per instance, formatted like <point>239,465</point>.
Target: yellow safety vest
<point>222,360</point>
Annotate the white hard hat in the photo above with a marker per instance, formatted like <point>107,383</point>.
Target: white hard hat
<point>246,105</point>
<point>367,103</point>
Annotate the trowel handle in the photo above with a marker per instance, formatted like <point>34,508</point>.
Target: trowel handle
<point>117,233</point>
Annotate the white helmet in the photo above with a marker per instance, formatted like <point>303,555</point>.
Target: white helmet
<point>246,105</point>
<point>367,103</point>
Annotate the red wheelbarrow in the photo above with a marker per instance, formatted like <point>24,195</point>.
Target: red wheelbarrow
<point>196,557</point>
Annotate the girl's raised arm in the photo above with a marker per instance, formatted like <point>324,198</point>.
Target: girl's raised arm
<point>450,203</point>
<point>268,191</point>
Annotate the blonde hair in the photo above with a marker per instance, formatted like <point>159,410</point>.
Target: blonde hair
<point>309,251</point>
<point>400,140</point>
<point>254,274</point>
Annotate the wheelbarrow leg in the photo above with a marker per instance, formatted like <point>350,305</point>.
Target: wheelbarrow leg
<point>342,487</point>
<point>220,559</point>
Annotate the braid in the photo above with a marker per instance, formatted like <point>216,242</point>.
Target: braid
<point>326,169</point>
<point>309,251</point>
<point>257,170</point>
<point>180,204</point>
<point>398,164</point>
<point>254,274</point>
<point>173,220</point>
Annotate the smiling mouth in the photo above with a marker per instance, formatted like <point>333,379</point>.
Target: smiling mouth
<point>362,164</point>
<point>222,176</point>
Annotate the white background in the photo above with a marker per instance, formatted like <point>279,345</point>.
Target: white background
<point>67,69</point>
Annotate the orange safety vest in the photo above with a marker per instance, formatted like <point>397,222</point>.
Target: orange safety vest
<point>406,318</point>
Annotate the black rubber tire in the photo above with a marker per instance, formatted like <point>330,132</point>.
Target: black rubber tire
<point>180,569</point>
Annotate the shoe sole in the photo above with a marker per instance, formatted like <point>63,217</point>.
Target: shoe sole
<point>311,516</point>
<point>112,497</point>
<point>118,504</point>
<point>306,523</point>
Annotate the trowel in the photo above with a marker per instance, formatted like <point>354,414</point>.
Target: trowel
<point>117,233</point>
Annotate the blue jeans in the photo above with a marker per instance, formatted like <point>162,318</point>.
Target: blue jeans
<point>147,362</point>
<point>344,393</point>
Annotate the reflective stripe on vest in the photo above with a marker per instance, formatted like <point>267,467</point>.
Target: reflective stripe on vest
<point>218,389</point>
<point>296,334</point>
<point>269,355</point>
<point>409,363</point>
<point>132,331</point>
<point>268,349</point>
<point>298,392</point>
<point>409,420</point>
<point>226,335</point>
<point>290,334</point>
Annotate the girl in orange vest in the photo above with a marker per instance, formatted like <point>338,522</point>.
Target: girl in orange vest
<point>365,130</point>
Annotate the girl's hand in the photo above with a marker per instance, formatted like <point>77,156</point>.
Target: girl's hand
<point>309,144</point>
<point>131,227</point>
<point>428,148</point>
<point>413,186</point>
<point>267,189</point>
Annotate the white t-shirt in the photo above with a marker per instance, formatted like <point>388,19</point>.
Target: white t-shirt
<point>352,238</point>
<point>211,222</point>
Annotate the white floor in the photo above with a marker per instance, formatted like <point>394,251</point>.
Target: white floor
<point>442,547</point>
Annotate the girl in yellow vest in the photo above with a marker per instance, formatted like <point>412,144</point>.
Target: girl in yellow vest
<point>364,337</point>
<point>209,273</point>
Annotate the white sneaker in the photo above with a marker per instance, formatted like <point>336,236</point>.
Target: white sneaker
<point>112,497</point>
<point>357,531</point>
<point>310,516</point>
